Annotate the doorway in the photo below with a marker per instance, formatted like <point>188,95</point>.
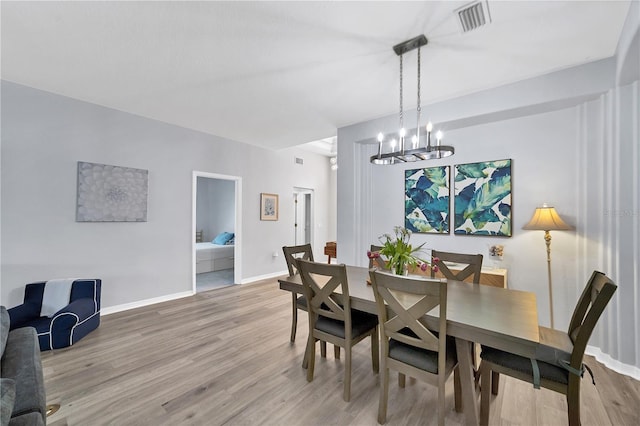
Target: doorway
<point>216,231</point>
<point>303,216</point>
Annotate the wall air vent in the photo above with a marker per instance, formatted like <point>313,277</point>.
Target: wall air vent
<point>473,15</point>
<point>298,160</point>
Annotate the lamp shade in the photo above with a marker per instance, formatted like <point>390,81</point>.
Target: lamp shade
<point>546,218</point>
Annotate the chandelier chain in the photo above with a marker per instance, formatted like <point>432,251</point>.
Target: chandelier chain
<point>418,109</point>
<point>401,118</point>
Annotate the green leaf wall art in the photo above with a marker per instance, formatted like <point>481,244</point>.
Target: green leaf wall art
<point>426,200</point>
<point>482,200</point>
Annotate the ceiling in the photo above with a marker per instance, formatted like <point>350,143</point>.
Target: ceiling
<point>279,74</point>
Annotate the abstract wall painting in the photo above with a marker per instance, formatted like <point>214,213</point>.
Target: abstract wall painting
<point>426,200</point>
<point>111,193</point>
<point>482,198</point>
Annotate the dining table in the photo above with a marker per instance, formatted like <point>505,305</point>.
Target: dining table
<point>502,318</point>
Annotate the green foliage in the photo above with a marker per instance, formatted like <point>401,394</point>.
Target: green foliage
<point>398,251</point>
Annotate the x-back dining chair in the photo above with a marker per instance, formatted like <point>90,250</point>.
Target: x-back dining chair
<point>331,318</point>
<point>407,345</point>
<point>473,266</point>
<point>558,363</point>
<point>291,255</point>
<point>377,262</point>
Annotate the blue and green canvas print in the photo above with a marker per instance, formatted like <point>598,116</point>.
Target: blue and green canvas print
<point>482,198</point>
<point>426,200</point>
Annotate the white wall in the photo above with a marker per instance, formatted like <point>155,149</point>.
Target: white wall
<point>573,137</point>
<point>215,207</point>
<point>43,137</point>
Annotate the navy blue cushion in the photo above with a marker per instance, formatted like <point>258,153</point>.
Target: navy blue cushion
<point>523,365</point>
<point>361,323</point>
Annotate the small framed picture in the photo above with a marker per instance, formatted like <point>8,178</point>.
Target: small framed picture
<point>268,206</point>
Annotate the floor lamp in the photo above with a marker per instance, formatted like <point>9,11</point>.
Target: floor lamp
<point>546,219</point>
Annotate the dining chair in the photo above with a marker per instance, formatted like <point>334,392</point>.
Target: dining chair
<point>378,262</point>
<point>558,362</point>
<point>472,265</point>
<point>291,254</point>
<point>331,318</point>
<point>407,344</point>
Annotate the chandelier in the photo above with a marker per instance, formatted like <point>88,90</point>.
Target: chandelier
<point>405,149</point>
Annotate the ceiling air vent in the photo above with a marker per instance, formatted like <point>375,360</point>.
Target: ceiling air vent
<point>474,15</point>
<point>299,160</point>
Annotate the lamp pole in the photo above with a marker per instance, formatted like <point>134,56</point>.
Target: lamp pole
<point>546,219</point>
<point>547,240</point>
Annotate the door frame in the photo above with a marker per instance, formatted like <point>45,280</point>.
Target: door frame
<point>300,190</point>
<point>237,256</point>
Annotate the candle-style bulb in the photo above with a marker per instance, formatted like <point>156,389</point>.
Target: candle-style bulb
<point>393,144</point>
<point>429,127</point>
<point>402,132</point>
<point>380,137</point>
<point>438,135</point>
<point>414,140</point>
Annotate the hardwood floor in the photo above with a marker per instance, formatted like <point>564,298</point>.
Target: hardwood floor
<point>224,357</point>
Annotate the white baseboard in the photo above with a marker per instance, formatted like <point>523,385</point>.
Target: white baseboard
<point>264,277</point>
<point>146,302</point>
<point>154,300</point>
<point>614,364</point>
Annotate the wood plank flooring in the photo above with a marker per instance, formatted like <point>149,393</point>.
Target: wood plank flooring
<point>223,357</point>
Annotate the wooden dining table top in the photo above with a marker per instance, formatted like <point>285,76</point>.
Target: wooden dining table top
<point>498,317</point>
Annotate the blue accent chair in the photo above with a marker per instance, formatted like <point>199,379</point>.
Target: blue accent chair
<point>69,324</point>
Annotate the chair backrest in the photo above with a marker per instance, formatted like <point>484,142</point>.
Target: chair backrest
<point>402,303</point>
<point>473,262</point>
<point>594,299</point>
<point>199,235</point>
<point>327,291</point>
<point>292,253</point>
<point>377,262</point>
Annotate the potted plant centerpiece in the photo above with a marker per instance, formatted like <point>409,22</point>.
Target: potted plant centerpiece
<point>399,254</point>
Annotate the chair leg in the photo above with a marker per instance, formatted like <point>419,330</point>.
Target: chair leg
<point>401,380</point>
<point>375,352</point>
<point>573,401</point>
<point>495,382</point>
<point>347,372</point>
<point>384,393</point>
<point>336,351</point>
<point>441,382</point>
<point>305,359</point>
<point>294,318</point>
<point>323,349</point>
<point>457,390</point>
<point>485,395</point>
<point>311,357</point>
